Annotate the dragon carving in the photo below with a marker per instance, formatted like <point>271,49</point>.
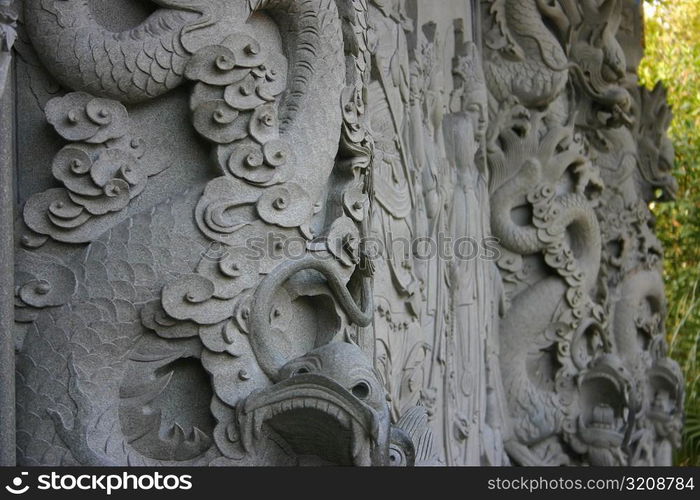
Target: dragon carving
<point>170,293</point>
<point>543,216</point>
<point>569,394</point>
<point>235,320</point>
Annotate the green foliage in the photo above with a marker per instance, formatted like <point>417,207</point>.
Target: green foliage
<point>673,57</point>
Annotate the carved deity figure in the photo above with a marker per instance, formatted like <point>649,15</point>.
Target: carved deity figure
<point>473,277</point>
<point>434,186</point>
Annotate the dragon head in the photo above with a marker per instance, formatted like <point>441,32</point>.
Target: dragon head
<point>329,404</point>
<point>599,60</point>
<point>665,386</point>
<point>656,152</point>
<point>604,410</point>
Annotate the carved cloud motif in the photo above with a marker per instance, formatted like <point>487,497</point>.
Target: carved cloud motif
<point>102,170</point>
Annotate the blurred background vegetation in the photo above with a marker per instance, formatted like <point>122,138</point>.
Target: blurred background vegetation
<point>673,57</point>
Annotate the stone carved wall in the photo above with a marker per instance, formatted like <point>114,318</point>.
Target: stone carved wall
<point>369,232</point>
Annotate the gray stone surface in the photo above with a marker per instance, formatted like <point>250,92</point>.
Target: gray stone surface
<point>369,232</point>
<point>7,188</point>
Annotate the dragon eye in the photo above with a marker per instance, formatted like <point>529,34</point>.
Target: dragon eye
<point>301,371</point>
<point>360,390</point>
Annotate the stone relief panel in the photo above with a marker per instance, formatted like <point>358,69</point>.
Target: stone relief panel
<point>351,232</point>
<point>570,205</point>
